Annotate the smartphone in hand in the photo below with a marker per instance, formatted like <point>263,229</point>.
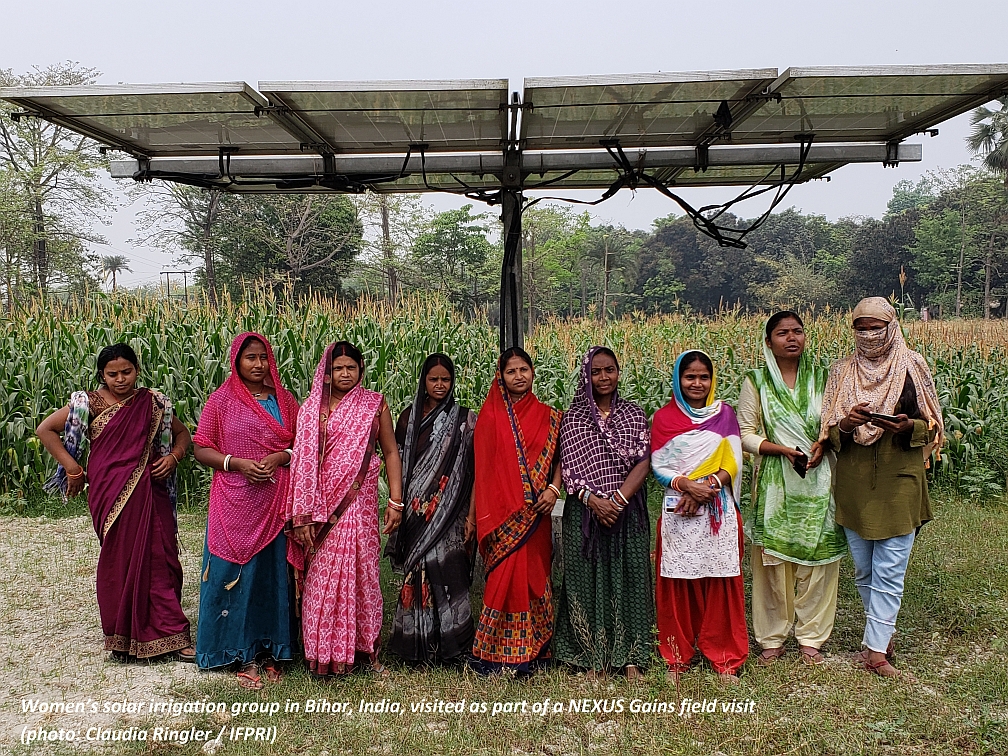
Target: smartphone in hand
<point>881,416</point>
<point>801,463</point>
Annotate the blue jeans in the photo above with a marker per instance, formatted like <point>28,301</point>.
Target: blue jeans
<point>879,570</point>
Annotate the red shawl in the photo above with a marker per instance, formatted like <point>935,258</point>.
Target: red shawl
<point>245,517</point>
<point>514,444</point>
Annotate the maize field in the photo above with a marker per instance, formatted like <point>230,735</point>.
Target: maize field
<point>49,350</point>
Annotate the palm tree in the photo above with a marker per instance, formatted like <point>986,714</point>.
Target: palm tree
<point>112,264</point>
<point>989,139</point>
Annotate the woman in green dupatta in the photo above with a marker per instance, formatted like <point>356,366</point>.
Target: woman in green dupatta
<point>797,545</point>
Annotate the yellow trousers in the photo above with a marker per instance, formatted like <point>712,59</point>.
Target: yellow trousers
<point>784,593</point>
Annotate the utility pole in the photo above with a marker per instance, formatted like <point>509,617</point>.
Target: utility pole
<point>185,281</point>
<point>605,279</point>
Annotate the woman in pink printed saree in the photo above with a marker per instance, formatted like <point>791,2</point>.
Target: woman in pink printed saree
<point>333,512</point>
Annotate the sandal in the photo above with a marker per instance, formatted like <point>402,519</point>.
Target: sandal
<point>812,657</point>
<point>861,656</point>
<point>633,672</point>
<point>882,668</point>
<point>728,678</point>
<point>380,669</point>
<point>769,655</point>
<point>272,670</point>
<point>248,677</point>
<point>187,655</point>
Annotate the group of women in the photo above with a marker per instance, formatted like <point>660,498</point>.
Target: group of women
<point>293,541</point>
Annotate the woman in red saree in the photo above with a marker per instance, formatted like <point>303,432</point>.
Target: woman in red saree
<point>516,487</point>
<point>135,446</point>
<point>333,512</point>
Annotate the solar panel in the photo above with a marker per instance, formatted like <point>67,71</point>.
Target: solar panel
<point>392,116</point>
<point>163,119</point>
<point>639,110</point>
<point>875,103</point>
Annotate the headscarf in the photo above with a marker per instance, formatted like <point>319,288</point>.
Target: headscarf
<point>243,517</point>
<point>876,374</point>
<point>435,479</point>
<point>697,442</point>
<point>312,499</point>
<point>597,455</point>
<point>791,517</point>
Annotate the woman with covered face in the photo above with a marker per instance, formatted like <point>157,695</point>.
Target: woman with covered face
<point>245,435</point>
<point>433,619</point>
<point>797,544</point>
<point>882,417</point>
<point>517,484</point>
<point>332,512</point>
<point>700,596</point>
<point>606,606</point>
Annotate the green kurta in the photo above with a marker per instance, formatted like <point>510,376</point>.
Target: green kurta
<point>606,608</point>
<point>881,490</point>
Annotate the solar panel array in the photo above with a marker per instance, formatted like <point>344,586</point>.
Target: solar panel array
<point>471,120</point>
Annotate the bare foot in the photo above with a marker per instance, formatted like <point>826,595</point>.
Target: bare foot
<point>728,678</point>
<point>632,672</point>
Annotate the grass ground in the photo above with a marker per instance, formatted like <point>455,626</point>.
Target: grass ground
<point>952,643</point>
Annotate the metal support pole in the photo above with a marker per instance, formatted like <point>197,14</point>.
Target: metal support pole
<point>511,331</point>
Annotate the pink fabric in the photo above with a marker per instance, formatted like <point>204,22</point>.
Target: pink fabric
<point>341,598</point>
<point>245,517</point>
<point>342,605</point>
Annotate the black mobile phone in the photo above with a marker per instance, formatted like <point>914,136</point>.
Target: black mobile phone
<point>801,463</point>
<point>881,416</point>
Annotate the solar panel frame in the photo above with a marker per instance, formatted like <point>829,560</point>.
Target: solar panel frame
<point>145,105</point>
<point>356,107</point>
<point>623,96</point>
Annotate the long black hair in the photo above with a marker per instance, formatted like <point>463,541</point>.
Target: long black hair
<point>432,361</point>
<point>690,357</point>
<point>115,352</point>
<point>777,317</point>
<point>346,349</point>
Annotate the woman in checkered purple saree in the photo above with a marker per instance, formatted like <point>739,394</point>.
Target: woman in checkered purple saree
<point>606,607</point>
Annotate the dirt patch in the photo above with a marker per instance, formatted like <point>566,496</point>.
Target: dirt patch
<point>51,649</point>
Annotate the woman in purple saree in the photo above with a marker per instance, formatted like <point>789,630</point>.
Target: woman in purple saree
<point>135,447</point>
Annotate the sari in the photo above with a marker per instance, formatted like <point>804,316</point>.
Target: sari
<point>514,444</point>
<point>700,595</point>
<point>606,606</point>
<point>139,578</point>
<point>246,599</point>
<point>433,618</point>
<point>334,483</point>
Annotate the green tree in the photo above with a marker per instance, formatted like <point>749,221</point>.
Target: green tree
<point>453,255</point>
<point>112,265</point>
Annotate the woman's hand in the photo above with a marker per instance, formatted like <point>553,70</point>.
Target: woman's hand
<point>305,535</point>
<point>253,471</point>
<point>605,510</point>
<point>271,462</point>
<point>393,517</point>
<point>547,499</point>
<point>857,417</point>
<point>815,455</point>
<point>470,528</point>
<point>75,485</point>
<point>164,467</point>
<point>903,425</point>
<point>688,506</point>
<point>699,490</point>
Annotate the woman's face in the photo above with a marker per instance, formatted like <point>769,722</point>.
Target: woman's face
<point>345,373</point>
<point>787,339</point>
<point>604,375</point>
<point>120,376</point>
<point>517,376</point>
<point>869,324</point>
<point>695,383</point>
<point>438,382</point>
<point>253,364</point>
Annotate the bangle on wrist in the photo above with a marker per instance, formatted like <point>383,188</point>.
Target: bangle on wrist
<point>290,455</point>
<point>227,463</point>
<point>622,498</point>
<point>585,495</point>
<point>396,506</point>
<point>554,489</point>
<point>178,460</point>
<point>74,476</point>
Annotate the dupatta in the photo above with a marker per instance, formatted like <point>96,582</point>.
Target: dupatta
<point>244,517</point>
<point>791,517</point>
<point>598,454</point>
<point>514,444</point>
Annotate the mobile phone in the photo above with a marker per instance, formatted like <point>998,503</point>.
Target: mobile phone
<point>882,416</point>
<point>801,463</point>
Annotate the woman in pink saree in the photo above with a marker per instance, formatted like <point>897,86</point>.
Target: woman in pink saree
<point>135,446</point>
<point>333,512</point>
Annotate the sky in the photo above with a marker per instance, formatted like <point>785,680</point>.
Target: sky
<point>251,40</point>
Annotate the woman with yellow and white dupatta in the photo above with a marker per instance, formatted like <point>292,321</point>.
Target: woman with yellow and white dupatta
<point>881,415</point>
<point>700,597</point>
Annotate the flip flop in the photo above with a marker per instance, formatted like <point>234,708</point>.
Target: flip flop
<point>879,668</point>
<point>248,677</point>
<point>769,655</point>
<point>272,670</point>
<point>377,668</point>
<point>813,659</point>
<point>187,655</point>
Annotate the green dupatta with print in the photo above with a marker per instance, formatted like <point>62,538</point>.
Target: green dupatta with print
<point>792,518</point>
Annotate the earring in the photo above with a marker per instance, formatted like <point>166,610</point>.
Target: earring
<point>326,379</point>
